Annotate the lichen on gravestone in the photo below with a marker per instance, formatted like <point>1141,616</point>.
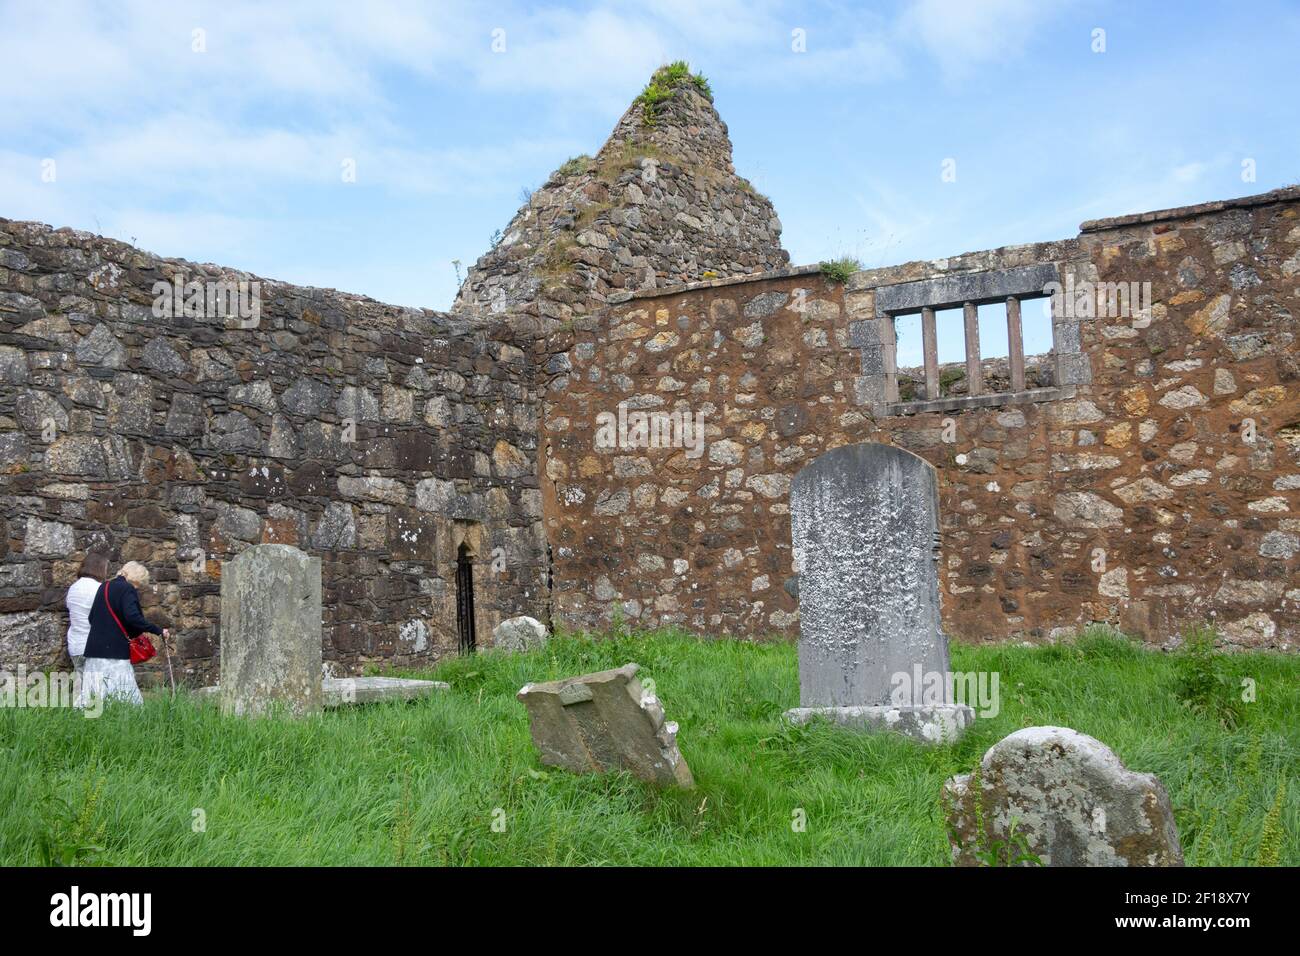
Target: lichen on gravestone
<point>1060,798</point>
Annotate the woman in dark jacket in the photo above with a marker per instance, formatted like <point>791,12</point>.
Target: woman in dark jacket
<point>108,671</point>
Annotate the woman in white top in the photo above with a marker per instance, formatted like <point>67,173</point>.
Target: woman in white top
<point>94,569</point>
<point>115,619</point>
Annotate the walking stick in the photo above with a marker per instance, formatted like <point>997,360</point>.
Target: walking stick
<point>168,655</point>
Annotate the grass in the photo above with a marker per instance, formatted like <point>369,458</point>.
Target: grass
<point>664,82</point>
<point>614,161</point>
<point>173,783</point>
<point>948,378</point>
<point>574,166</point>
<point>839,270</point>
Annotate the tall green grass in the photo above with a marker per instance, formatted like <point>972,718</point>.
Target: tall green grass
<point>423,783</point>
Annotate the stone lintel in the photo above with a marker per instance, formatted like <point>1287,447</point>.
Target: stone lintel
<point>952,291</point>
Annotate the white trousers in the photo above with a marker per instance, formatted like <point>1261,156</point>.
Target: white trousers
<point>108,679</point>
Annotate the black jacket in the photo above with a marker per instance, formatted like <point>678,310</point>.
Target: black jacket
<point>106,639</point>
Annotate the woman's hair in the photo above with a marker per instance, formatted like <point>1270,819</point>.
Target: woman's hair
<point>95,565</point>
<point>135,573</point>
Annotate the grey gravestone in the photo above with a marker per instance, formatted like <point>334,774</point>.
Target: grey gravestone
<point>519,634</point>
<point>602,722</point>
<point>1070,799</point>
<point>271,632</point>
<point>864,521</point>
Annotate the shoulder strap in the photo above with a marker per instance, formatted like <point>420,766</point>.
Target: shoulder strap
<point>109,605</point>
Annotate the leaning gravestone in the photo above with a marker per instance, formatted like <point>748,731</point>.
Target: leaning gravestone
<point>271,632</point>
<point>602,722</point>
<point>1070,799</point>
<point>865,528</point>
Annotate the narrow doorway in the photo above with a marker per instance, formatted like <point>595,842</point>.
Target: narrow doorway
<point>465,600</point>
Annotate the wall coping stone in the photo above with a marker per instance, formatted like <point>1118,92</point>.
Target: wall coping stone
<point>867,278</point>
<point>1286,194</point>
<point>786,273</point>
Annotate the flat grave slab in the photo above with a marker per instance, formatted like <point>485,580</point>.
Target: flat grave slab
<point>341,691</point>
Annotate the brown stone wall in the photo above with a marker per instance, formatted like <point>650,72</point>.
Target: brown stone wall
<point>1136,499</point>
<point>374,436</point>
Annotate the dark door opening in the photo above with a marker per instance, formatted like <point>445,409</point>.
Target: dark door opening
<point>465,600</point>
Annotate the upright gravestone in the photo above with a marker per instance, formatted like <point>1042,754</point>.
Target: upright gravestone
<point>871,652</point>
<point>271,632</point>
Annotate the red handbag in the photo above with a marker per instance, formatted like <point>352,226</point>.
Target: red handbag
<point>142,648</point>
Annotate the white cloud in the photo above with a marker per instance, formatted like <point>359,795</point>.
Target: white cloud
<point>242,144</point>
<point>1187,172</point>
<point>964,34</point>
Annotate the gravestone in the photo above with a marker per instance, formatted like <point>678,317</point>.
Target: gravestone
<point>1071,802</point>
<point>271,632</point>
<point>602,722</point>
<point>864,522</point>
<point>519,634</point>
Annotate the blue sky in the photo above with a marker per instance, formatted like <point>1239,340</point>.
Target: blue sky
<point>235,153</point>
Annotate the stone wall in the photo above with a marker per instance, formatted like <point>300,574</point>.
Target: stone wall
<point>659,204</point>
<point>376,437</point>
<point>1158,486</point>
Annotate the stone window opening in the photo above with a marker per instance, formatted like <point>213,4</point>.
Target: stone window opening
<point>971,299</point>
<point>467,639</point>
<point>934,361</point>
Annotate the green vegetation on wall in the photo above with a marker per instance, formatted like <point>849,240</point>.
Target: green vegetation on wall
<point>664,83</point>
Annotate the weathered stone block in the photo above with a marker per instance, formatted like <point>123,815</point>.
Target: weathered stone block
<point>604,722</point>
<point>1069,797</point>
<point>1073,369</point>
<point>33,639</point>
<point>865,333</point>
<point>873,360</point>
<point>519,634</point>
<point>1066,337</point>
<point>868,389</point>
<point>101,347</point>
<point>271,632</point>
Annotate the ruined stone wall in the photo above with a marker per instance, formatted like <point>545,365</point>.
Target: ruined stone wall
<point>1157,487</point>
<point>659,204</point>
<point>377,437</point>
